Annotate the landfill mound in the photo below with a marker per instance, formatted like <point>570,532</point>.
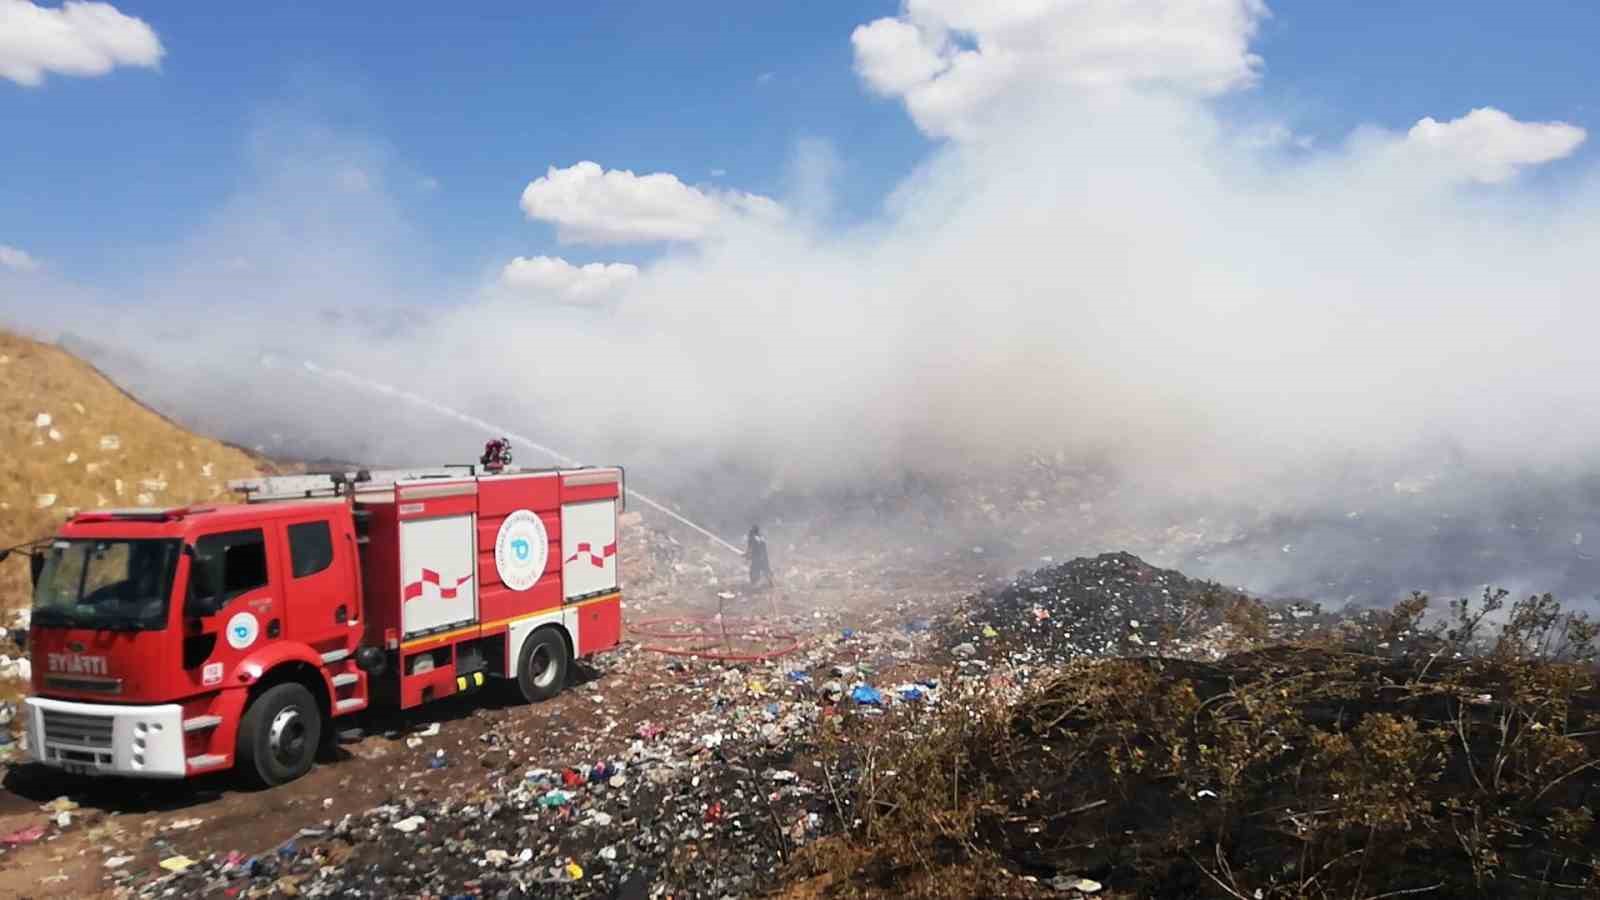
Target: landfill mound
<point>1114,604</point>
<point>72,439</point>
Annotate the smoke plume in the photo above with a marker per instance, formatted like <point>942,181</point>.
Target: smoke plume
<point>1096,259</point>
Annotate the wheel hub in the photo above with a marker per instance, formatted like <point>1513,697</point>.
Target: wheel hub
<point>286,738</point>
<point>543,665</point>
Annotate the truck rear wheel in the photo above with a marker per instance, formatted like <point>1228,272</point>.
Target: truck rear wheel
<point>279,735</point>
<point>542,667</point>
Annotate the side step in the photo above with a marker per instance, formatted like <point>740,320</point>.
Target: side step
<point>201,723</point>
<point>345,679</point>
<point>350,705</point>
<point>206,761</point>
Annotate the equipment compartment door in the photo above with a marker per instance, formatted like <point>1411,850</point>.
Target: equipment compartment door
<point>588,548</point>
<point>437,573</point>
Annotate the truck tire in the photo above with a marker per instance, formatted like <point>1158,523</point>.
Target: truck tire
<point>542,666</point>
<point>279,736</point>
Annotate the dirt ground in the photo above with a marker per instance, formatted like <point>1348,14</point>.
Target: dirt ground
<point>121,830</point>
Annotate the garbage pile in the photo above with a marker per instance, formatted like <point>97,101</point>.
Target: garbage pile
<point>1114,604</point>
<point>707,794</point>
<point>1117,605</point>
<point>707,818</point>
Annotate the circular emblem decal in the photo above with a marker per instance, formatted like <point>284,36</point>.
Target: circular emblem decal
<point>243,629</point>
<point>521,550</point>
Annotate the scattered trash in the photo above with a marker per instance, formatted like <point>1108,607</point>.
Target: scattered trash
<point>555,798</point>
<point>409,824</point>
<point>23,836</point>
<point>60,805</point>
<point>176,863</point>
<point>866,695</point>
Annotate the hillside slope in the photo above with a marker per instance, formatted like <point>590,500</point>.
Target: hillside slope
<point>71,439</point>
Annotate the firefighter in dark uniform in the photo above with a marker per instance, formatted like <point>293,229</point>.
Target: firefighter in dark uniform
<point>756,551</point>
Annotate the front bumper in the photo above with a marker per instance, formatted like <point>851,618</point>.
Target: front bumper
<point>105,739</point>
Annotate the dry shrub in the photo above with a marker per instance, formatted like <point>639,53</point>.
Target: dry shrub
<point>1465,766</point>
<point>907,796</point>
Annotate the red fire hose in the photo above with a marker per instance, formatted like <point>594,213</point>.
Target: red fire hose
<point>706,633</point>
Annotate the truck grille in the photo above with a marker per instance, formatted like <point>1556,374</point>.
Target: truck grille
<point>77,729</point>
<point>84,684</point>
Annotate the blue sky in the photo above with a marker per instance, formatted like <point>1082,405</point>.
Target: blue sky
<point>481,103</point>
<point>480,100</point>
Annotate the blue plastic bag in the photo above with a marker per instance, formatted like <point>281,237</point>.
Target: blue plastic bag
<point>866,695</point>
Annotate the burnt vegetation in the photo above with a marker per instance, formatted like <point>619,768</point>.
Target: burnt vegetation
<point>1385,755</point>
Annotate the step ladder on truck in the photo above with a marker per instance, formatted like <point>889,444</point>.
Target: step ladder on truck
<point>171,643</point>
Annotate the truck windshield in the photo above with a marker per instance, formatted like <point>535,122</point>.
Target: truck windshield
<point>113,584</point>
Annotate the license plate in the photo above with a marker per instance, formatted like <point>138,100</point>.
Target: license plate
<point>77,768</point>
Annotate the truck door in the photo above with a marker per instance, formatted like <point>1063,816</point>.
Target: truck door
<point>320,598</point>
<point>230,578</point>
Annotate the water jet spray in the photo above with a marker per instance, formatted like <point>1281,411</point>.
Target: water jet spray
<point>439,408</point>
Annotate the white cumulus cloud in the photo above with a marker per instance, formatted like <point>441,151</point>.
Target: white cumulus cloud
<point>952,60</point>
<point>81,39</point>
<point>553,278</point>
<point>12,258</point>
<point>1488,145</point>
<point>593,205</point>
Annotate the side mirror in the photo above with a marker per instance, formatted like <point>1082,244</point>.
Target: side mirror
<point>199,601</point>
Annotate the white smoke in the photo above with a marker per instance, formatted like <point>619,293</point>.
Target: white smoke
<point>1095,257</point>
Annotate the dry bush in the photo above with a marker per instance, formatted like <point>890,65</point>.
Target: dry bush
<point>906,796</point>
<point>1465,766</point>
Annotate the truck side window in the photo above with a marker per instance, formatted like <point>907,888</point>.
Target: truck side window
<point>310,548</point>
<point>227,565</point>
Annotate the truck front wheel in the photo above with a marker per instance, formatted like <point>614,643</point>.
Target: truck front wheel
<point>279,735</point>
<point>542,668</point>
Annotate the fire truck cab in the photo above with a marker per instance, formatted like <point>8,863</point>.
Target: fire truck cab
<point>176,642</point>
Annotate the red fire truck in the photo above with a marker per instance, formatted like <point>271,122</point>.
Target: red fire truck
<point>175,642</point>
